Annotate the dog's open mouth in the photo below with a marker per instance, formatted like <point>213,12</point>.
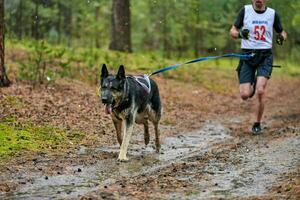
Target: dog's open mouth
<point>108,108</point>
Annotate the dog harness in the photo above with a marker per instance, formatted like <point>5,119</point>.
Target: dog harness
<point>144,81</point>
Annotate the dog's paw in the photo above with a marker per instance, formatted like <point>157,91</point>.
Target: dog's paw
<point>124,159</point>
<point>157,148</point>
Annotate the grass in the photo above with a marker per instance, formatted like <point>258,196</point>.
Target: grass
<point>288,69</point>
<point>85,64</point>
<point>12,101</point>
<point>16,137</point>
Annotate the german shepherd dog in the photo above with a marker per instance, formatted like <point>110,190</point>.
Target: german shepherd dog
<point>127,101</point>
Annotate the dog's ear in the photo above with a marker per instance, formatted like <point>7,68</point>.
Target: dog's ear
<point>121,73</point>
<point>104,71</point>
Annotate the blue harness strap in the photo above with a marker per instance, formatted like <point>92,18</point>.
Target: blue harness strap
<point>244,56</point>
<point>144,80</point>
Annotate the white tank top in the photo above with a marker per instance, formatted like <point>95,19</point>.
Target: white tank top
<point>261,28</point>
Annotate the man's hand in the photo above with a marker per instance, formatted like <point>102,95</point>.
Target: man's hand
<point>281,37</point>
<point>244,34</point>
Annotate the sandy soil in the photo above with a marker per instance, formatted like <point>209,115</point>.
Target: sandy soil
<point>208,151</point>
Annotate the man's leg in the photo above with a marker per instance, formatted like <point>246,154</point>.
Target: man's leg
<point>246,75</point>
<point>261,95</point>
<point>264,71</point>
<point>246,89</point>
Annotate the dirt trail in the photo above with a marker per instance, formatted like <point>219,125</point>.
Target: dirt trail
<point>207,150</point>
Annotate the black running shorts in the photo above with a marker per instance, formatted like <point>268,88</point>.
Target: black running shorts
<point>259,65</point>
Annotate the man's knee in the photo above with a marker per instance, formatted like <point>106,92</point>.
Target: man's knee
<point>261,85</point>
<point>245,91</point>
<point>260,90</point>
<point>245,95</point>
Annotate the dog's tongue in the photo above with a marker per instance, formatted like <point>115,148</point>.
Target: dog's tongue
<point>108,109</point>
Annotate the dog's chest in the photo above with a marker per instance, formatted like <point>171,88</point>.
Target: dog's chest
<point>141,117</point>
<point>138,117</point>
<point>121,114</point>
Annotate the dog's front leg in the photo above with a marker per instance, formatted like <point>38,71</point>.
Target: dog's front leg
<point>146,132</point>
<point>157,143</point>
<point>118,126</point>
<point>127,131</point>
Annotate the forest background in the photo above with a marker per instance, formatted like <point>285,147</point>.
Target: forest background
<point>57,35</point>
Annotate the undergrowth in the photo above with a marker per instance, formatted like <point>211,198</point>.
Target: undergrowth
<point>17,137</point>
<point>85,64</point>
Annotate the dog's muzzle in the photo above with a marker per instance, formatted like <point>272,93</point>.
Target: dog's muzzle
<point>108,109</point>
<point>107,104</point>
<point>106,99</point>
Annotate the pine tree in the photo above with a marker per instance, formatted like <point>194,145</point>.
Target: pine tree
<point>4,81</point>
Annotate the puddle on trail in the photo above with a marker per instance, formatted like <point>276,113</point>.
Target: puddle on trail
<point>248,172</point>
<point>143,160</point>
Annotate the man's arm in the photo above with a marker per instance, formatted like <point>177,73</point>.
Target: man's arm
<point>238,24</point>
<point>282,35</point>
<point>242,33</point>
<point>234,32</point>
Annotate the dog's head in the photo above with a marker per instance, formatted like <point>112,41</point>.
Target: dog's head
<point>112,88</point>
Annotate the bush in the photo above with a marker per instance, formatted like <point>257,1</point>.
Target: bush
<point>44,63</point>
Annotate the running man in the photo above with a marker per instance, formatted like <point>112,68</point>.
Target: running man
<point>254,25</point>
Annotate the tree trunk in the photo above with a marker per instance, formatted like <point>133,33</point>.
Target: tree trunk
<point>19,20</point>
<point>35,24</point>
<point>59,22</point>
<point>68,24</point>
<point>197,34</point>
<point>4,81</point>
<point>97,19</point>
<point>121,36</point>
<point>165,33</point>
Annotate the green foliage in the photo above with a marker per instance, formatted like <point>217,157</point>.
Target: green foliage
<point>73,23</point>
<point>174,28</point>
<point>43,63</point>
<point>79,63</point>
<point>12,101</point>
<point>288,69</point>
<point>16,137</point>
<point>85,64</point>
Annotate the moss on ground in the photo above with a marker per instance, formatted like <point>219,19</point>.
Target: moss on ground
<point>16,137</point>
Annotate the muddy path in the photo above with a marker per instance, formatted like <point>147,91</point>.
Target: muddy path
<point>207,149</point>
